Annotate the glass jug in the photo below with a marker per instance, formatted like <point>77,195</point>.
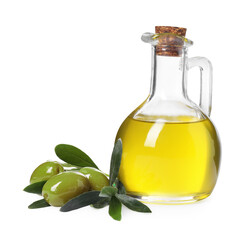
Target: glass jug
<point>171,150</point>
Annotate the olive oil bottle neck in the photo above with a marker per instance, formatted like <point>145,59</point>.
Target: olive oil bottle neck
<point>167,76</point>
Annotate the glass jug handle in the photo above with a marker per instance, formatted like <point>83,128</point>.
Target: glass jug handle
<point>206,81</point>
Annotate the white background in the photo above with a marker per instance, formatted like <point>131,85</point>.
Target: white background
<point>71,71</point>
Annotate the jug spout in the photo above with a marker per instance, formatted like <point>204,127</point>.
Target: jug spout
<point>169,40</point>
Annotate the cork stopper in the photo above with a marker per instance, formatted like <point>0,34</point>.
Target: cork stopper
<point>170,44</point>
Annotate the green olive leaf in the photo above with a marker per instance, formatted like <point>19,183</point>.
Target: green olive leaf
<point>108,191</point>
<point>115,161</point>
<point>74,156</point>
<point>132,203</point>
<point>120,187</point>
<point>82,200</point>
<point>115,208</point>
<point>102,203</point>
<point>39,204</point>
<point>35,187</point>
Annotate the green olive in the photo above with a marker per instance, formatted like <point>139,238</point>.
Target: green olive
<point>60,188</point>
<point>97,179</point>
<point>45,171</point>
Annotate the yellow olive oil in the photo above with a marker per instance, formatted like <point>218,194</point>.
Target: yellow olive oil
<point>178,161</point>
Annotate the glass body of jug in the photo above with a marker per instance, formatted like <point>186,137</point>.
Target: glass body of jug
<point>171,150</point>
